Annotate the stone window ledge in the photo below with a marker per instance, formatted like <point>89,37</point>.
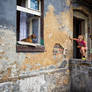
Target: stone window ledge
<point>29,48</point>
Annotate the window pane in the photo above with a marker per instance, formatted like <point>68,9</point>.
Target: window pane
<point>28,25</point>
<point>23,26</point>
<point>35,28</point>
<point>34,4</point>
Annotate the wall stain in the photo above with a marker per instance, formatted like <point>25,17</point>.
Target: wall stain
<point>7,74</point>
<point>61,36</point>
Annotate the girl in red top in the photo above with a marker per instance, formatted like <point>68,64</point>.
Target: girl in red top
<point>81,45</point>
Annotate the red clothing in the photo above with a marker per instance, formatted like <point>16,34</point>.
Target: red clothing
<point>82,43</point>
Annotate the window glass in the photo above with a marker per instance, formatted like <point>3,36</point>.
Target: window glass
<point>23,25</point>
<point>34,4</point>
<point>35,28</point>
<point>29,24</point>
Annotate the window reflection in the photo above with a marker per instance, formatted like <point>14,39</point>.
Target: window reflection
<point>34,4</point>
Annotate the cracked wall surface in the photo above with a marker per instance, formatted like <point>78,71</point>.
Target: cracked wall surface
<point>16,67</point>
<point>56,30</point>
<point>50,82</point>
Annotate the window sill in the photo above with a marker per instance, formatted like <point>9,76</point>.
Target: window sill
<point>29,48</point>
<point>27,43</point>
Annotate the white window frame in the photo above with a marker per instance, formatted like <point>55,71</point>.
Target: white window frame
<point>27,9</point>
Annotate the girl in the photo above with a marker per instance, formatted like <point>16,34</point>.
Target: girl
<point>81,45</point>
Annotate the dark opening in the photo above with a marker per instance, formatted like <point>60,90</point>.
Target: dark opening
<point>21,3</point>
<point>77,30</point>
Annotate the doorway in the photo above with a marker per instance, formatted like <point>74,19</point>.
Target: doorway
<point>78,29</point>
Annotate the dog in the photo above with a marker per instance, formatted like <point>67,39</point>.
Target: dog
<point>29,38</point>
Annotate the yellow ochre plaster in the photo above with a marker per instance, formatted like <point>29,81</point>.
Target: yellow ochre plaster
<point>52,35</point>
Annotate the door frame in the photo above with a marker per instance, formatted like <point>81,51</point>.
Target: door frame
<point>82,15</point>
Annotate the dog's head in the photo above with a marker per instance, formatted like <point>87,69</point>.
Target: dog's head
<point>33,36</point>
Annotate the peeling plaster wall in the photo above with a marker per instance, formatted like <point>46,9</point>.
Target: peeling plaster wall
<point>57,29</point>
<point>32,68</point>
<point>50,82</point>
<point>10,61</point>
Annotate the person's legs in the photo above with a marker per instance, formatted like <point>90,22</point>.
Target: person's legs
<point>83,51</point>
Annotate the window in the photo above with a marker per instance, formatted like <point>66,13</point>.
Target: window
<point>30,25</point>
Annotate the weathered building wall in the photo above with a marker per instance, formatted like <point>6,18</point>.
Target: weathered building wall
<point>56,81</point>
<point>81,76</point>
<point>8,13</point>
<point>56,30</point>
<point>16,66</point>
<point>17,69</point>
